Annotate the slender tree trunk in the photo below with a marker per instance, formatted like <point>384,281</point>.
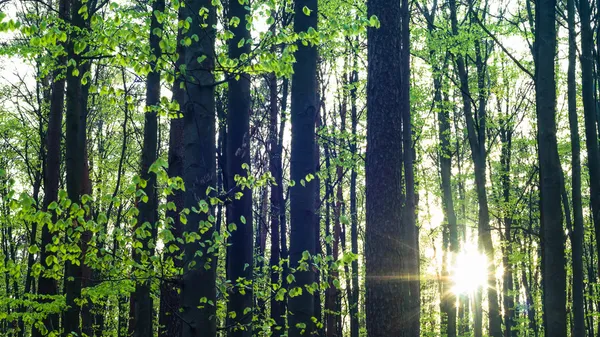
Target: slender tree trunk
<point>75,159</point>
<point>505,162</point>
<point>590,117</point>
<point>240,252</point>
<point>409,228</point>
<point>283,200</point>
<point>445,159</point>
<point>168,320</point>
<point>145,229</point>
<point>354,301</point>
<point>276,195</point>
<point>302,195</point>
<point>47,286</point>
<point>553,258</point>
<point>199,173</point>
<point>578,228</point>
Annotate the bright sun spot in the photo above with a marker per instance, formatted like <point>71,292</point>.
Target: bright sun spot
<point>469,272</point>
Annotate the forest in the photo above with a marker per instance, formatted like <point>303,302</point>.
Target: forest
<point>291,168</point>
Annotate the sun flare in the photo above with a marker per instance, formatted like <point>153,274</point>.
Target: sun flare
<point>469,272</point>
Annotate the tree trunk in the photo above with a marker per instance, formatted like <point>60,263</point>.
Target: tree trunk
<point>578,227</point>
<point>75,158</point>
<point>240,252</point>
<point>389,247</point>
<point>445,159</point>
<point>199,173</point>
<point>145,229</point>
<point>354,301</point>
<point>302,195</point>
<point>553,262</point>
<point>48,285</point>
<point>277,307</point>
<point>168,320</point>
<point>409,228</point>
<point>590,117</point>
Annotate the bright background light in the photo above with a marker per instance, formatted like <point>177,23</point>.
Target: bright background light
<point>469,272</point>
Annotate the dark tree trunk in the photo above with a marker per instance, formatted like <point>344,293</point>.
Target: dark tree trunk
<point>589,113</point>
<point>553,258</point>
<point>199,173</point>
<point>277,307</point>
<point>409,230</point>
<point>354,302</point>
<point>168,320</point>
<point>318,246</point>
<point>445,159</point>
<point>578,227</point>
<point>48,285</point>
<point>240,251</point>
<point>389,245</point>
<point>145,229</point>
<point>302,195</point>
<point>283,201</point>
<point>505,162</point>
<point>75,160</point>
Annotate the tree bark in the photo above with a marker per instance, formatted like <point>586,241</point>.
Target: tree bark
<point>47,286</point>
<point>354,301</point>
<point>199,173</point>
<point>590,117</point>
<point>75,160</point>
<point>389,247</point>
<point>553,258</point>
<point>578,227</point>
<point>302,195</point>
<point>240,252</point>
<point>168,319</point>
<point>145,229</point>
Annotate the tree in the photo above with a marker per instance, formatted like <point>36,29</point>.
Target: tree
<point>553,268</point>
<point>577,233</point>
<point>389,245</point>
<point>198,303</point>
<point>146,227</point>
<point>240,252</point>
<point>47,285</point>
<point>302,165</point>
<point>75,164</point>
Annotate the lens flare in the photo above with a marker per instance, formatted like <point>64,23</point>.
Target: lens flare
<point>469,272</point>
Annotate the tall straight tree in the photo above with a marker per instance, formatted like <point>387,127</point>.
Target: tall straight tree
<point>408,229</point>
<point>142,305</point>
<point>48,285</point>
<point>354,305</point>
<point>75,159</point>
<point>276,197</point>
<point>199,172</point>
<point>578,227</point>
<point>553,266</point>
<point>302,195</point>
<point>169,322</point>
<point>389,244</point>
<point>240,251</point>
<point>590,114</point>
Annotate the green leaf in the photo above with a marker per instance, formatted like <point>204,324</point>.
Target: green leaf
<point>306,11</point>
